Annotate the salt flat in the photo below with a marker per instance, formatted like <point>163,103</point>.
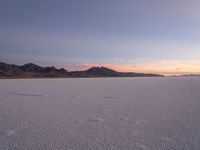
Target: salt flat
<point>100,114</point>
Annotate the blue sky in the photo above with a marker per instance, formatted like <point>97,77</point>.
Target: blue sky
<point>76,34</point>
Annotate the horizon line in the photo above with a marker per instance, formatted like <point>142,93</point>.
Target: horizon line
<point>117,68</point>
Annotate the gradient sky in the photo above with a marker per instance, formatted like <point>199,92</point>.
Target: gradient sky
<point>160,36</point>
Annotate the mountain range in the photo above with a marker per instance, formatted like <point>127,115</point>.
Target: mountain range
<point>31,70</point>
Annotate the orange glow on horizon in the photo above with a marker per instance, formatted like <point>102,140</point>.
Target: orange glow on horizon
<point>164,67</point>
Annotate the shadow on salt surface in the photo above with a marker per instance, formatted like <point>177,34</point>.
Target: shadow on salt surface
<point>25,94</point>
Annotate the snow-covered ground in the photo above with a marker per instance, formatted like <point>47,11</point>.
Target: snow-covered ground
<point>100,114</point>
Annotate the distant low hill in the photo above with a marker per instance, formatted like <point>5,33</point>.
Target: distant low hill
<point>31,70</point>
<point>190,75</point>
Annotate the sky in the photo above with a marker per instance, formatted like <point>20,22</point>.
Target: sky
<point>158,36</point>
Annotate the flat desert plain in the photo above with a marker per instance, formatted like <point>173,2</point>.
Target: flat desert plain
<point>100,114</point>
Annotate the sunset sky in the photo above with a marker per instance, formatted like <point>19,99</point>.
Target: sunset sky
<point>158,36</point>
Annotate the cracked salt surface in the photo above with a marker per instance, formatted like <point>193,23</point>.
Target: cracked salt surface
<point>103,113</point>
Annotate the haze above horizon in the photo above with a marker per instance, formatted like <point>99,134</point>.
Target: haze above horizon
<point>156,36</point>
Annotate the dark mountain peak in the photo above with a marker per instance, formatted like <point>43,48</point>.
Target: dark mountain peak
<point>1,63</point>
<point>30,67</point>
<point>4,66</point>
<point>102,71</point>
<point>94,69</point>
<point>31,64</point>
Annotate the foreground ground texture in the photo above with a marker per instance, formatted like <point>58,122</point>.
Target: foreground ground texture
<point>100,114</point>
